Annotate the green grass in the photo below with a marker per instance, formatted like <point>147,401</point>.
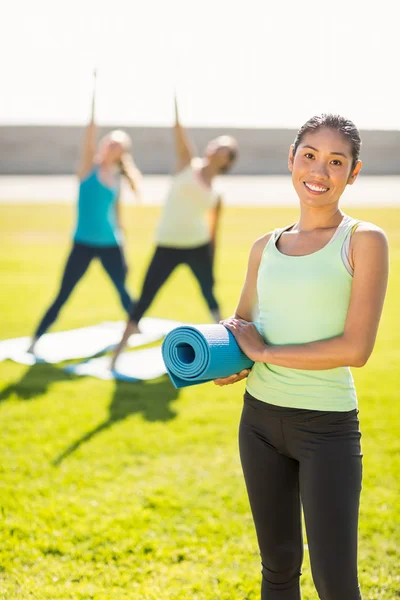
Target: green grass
<point>121,491</point>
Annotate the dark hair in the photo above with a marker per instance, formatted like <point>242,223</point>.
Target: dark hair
<point>336,122</point>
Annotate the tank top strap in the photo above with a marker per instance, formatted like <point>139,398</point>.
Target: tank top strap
<point>344,230</point>
<point>278,232</point>
<point>342,234</point>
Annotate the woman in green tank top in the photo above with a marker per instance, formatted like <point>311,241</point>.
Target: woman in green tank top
<point>319,287</point>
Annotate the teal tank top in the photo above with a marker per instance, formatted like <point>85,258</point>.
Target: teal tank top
<point>96,218</point>
<point>303,299</point>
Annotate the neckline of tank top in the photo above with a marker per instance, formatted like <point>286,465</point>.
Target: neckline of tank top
<point>195,173</point>
<point>96,172</point>
<point>346,220</point>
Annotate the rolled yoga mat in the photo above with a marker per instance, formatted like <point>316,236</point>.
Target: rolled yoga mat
<point>196,354</point>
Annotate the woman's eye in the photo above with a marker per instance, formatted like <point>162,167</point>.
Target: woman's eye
<point>309,155</point>
<point>336,162</point>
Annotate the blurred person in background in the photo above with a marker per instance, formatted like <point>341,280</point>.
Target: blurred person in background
<point>98,231</point>
<point>183,234</point>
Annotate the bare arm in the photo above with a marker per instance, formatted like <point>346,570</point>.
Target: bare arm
<point>248,299</point>
<point>215,219</point>
<point>89,139</point>
<point>355,345</point>
<point>118,212</point>
<point>248,296</point>
<point>183,147</point>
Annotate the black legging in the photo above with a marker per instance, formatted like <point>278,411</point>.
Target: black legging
<point>81,255</point>
<point>292,457</point>
<point>164,261</point>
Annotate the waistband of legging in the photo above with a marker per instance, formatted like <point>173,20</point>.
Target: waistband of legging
<point>277,411</point>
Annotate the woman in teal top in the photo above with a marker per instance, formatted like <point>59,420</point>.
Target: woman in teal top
<point>319,287</point>
<point>98,231</point>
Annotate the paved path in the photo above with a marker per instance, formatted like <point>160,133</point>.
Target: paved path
<point>237,191</point>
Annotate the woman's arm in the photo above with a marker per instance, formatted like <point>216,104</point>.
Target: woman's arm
<point>248,300</point>
<point>118,213</point>
<point>215,215</point>
<point>248,296</point>
<point>89,139</point>
<point>183,147</point>
<point>355,345</point>
<point>215,218</point>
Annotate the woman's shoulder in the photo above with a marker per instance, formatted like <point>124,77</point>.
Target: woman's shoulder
<point>196,162</point>
<point>262,241</point>
<point>363,226</point>
<point>193,165</point>
<point>365,230</point>
<point>367,239</point>
<point>89,174</point>
<point>260,244</point>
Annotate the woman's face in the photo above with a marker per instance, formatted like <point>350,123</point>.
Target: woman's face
<point>111,150</point>
<point>322,167</point>
<point>219,151</point>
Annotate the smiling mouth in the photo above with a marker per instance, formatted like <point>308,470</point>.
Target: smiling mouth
<point>315,189</point>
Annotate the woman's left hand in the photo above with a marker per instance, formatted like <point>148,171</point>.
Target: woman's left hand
<point>248,338</point>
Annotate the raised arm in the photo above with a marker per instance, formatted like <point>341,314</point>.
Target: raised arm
<point>183,146</point>
<point>355,345</point>
<point>89,139</point>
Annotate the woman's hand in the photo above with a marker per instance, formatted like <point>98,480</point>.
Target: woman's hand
<point>232,378</point>
<point>248,338</point>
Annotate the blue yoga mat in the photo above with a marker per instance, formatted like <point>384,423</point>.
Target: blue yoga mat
<point>196,354</point>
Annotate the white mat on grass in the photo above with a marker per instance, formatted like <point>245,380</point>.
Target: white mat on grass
<point>140,365</point>
<point>84,342</point>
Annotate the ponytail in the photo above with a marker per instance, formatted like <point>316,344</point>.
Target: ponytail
<point>130,171</point>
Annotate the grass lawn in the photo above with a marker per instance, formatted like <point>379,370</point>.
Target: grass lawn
<point>120,491</point>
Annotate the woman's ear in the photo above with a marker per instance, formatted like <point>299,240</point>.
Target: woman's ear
<point>291,158</point>
<point>355,172</point>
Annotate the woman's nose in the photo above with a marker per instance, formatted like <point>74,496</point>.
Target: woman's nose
<point>320,170</point>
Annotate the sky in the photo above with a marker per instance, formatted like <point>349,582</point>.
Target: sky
<point>239,63</point>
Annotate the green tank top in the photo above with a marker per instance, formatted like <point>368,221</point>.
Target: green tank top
<point>303,299</point>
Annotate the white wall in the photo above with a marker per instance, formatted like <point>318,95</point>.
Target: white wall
<point>50,150</point>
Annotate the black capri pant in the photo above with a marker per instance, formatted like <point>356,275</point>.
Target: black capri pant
<point>163,263</point>
<point>293,457</point>
<point>79,259</point>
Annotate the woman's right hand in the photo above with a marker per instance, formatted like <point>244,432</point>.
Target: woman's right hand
<point>232,378</point>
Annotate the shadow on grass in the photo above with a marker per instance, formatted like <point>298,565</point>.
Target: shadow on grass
<point>35,381</point>
<point>151,399</point>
